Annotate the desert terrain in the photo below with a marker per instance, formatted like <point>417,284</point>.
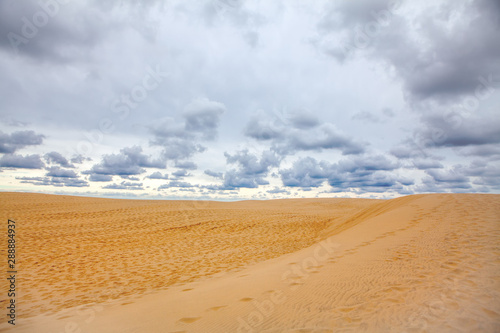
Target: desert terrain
<point>420,263</point>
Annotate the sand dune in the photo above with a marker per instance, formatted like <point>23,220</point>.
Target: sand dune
<point>423,263</point>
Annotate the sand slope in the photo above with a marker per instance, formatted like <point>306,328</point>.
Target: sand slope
<point>413,264</point>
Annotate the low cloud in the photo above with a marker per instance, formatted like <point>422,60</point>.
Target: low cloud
<point>278,190</point>
<point>251,170</point>
<point>10,143</point>
<point>79,159</point>
<point>125,186</point>
<point>54,181</point>
<point>22,162</point>
<point>59,172</point>
<point>181,140</point>
<point>300,131</point>
<point>202,117</point>
<point>440,132</point>
<point>100,178</point>
<point>214,174</point>
<point>130,161</point>
<point>180,173</point>
<point>157,175</point>
<point>176,184</point>
<point>56,158</point>
<point>359,173</point>
<point>186,165</point>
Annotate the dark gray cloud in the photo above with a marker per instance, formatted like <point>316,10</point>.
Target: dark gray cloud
<point>360,173</point>
<point>300,131</point>
<point>367,163</point>
<point>188,165</point>
<point>175,184</point>
<point>124,185</point>
<point>54,181</point>
<point>130,161</point>
<point>100,178</point>
<point>214,174</point>
<point>404,150</point>
<point>177,148</point>
<point>79,159</point>
<point>251,170</point>
<point>488,151</point>
<point>479,176</point>
<point>278,190</point>
<point>440,53</point>
<point>324,137</point>
<point>263,129</point>
<point>440,132</point>
<point>56,171</point>
<point>158,175</point>
<point>482,172</point>
<point>55,31</point>
<point>452,176</point>
<point>182,140</point>
<point>23,162</point>
<point>306,172</point>
<point>350,26</point>
<point>424,164</point>
<point>10,143</point>
<point>303,119</point>
<point>56,176</point>
<point>202,117</point>
<point>430,185</point>
<point>180,173</point>
<point>57,158</point>
<point>475,135</point>
<point>451,61</point>
<point>415,148</point>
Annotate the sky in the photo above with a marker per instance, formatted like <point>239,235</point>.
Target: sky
<point>234,99</point>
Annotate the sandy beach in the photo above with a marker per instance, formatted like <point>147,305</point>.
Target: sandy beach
<point>420,263</point>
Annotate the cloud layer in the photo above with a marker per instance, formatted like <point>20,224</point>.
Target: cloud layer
<point>250,99</point>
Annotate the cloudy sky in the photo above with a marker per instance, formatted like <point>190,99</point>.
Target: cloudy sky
<point>234,99</point>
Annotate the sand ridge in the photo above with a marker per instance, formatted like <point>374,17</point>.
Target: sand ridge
<point>426,263</point>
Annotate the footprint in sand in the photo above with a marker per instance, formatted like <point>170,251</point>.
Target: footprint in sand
<point>312,330</point>
<point>295,285</point>
<point>217,308</point>
<point>189,320</point>
<point>246,299</point>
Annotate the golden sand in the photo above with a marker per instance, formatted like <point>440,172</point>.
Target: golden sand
<point>423,263</point>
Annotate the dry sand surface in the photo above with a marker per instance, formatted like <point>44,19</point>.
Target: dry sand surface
<point>422,263</point>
